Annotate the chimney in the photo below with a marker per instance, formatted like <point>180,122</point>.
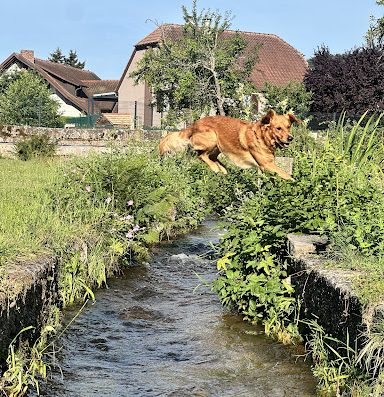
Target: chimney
<point>28,54</point>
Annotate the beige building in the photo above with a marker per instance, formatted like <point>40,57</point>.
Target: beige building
<point>278,63</point>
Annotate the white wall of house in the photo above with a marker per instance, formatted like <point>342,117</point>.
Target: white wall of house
<point>66,109</point>
<point>13,68</point>
<point>129,93</point>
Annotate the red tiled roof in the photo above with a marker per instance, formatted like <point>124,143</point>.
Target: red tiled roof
<point>278,62</point>
<point>171,31</point>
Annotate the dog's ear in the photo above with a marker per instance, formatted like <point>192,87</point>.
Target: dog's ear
<point>293,118</point>
<point>268,117</point>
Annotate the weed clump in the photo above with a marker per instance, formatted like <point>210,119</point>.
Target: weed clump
<point>35,146</point>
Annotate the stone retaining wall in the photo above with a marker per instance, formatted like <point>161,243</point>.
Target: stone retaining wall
<point>26,292</point>
<point>75,141</point>
<point>326,293</point>
<point>11,133</point>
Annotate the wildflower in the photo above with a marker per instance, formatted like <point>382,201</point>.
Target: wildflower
<point>88,188</point>
<point>136,228</point>
<point>129,234</point>
<point>130,202</point>
<point>108,199</point>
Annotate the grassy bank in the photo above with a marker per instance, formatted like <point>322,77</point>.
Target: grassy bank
<point>29,227</point>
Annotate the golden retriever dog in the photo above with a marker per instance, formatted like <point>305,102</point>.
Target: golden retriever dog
<point>245,144</point>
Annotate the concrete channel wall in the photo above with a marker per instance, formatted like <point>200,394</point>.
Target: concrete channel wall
<point>26,292</point>
<point>326,293</point>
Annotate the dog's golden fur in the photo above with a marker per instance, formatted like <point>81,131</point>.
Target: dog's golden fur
<point>245,144</point>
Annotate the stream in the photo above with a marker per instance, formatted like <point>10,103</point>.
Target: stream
<point>152,333</point>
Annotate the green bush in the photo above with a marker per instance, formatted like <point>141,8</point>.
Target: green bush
<point>35,146</point>
<point>131,203</point>
<point>292,97</point>
<point>27,100</point>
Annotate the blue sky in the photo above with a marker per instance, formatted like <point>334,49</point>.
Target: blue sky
<point>104,32</point>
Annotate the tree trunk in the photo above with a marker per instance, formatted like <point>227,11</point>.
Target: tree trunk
<point>219,97</point>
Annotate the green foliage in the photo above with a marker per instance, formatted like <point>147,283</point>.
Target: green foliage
<point>6,79</point>
<point>56,56</point>
<point>132,203</point>
<point>338,191</point>
<point>27,101</point>
<point>292,97</point>
<point>375,34</point>
<point>200,70</point>
<point>73,61</point>
<point>27,362</point>
<point>35,146</point>
<point>334,363</point>
<point>361,144</point>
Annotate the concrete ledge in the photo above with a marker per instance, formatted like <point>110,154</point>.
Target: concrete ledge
<point>326,294</point>
<point>26,291</point>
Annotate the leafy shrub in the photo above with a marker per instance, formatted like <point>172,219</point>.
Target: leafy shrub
<point>351,81</point>
<point>35,146</point>
<point>292,97</point>
<point>27,100</point>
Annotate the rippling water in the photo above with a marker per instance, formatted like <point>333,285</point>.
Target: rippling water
<point>150,334</point>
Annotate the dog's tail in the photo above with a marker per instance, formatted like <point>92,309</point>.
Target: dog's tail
<point>175,141</point>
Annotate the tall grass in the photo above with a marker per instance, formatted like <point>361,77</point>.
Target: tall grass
<point>363,141</point>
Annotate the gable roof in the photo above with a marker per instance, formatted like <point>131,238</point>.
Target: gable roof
<point>278,62</point>
<point>66,80</point>
<point>66,72</point>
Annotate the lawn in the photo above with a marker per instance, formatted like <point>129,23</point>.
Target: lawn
<point>28,224</point>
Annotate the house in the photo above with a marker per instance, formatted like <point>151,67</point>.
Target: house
<point>78,91</point>
<point>278,63</point>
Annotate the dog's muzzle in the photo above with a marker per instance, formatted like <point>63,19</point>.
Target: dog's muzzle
<point>284,144</point>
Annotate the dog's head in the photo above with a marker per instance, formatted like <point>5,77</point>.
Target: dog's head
<point>278,128</point>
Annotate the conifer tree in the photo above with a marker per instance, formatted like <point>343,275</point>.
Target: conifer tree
<point>56,56</point>
<point>72,60</point>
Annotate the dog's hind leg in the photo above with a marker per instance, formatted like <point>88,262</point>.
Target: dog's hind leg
<point>204,143</point>
<point>211,164</point>
<point>213,156</point>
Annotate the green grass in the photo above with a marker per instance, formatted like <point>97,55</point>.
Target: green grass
<point>368,282</point>
<point>29,225</point>
<point>26,220</point>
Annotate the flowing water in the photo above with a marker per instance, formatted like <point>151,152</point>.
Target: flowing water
<point>152,334</point>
